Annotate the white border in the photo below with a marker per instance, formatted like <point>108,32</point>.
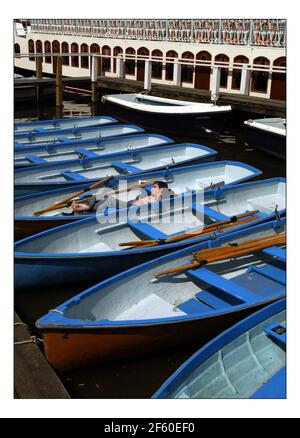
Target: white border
<point>147,408</point>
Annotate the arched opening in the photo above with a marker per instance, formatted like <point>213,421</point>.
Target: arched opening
<point>156,65</point>
<point>142,51</point>
<point>202,73</point>
<point>31,49</point>
<point>65,49</point>
<point>106,59</point>
<point>187,71</point>
<point>47,49</point>
<point>278,87</point>
<point>117,51</point>
<point>96,49</point>
<point>130,63</point>
<point>55,49</point>
<point>84,48</point>
<point>74,59</point>
<point>237,72</point>
<point>17,49</point>
<point>170,65</point>
<point>224,71</point>
<point>39,46</point>
<point>259,79</point>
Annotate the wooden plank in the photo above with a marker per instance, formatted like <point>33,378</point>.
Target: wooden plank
<point>33,376</point>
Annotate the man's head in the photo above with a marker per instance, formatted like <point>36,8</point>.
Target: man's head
<point>157,186</point>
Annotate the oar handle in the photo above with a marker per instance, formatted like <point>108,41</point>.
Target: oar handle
<point>60,204</point>
<point>178,269</point>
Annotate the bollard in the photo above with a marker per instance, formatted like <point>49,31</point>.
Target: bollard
<point>39,75</point>
<point>58,83</point>
<point>177,74</point>
<point>120,67</point>
<point>94,76</point>
<point>245,81</point>
<point>148,73</point>
<point>215,84</point>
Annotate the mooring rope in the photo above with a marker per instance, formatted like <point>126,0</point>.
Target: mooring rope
<point>32,340</point>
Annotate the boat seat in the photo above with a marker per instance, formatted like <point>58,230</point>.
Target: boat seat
<point>35,159</point>
<point>266,204</point>
<point>40,130</point>
<point>193,306</point>
<point>69,175</point>
<point>146,230</point>
<point>86,153</point>
<point>276,331</point>
<point>207,211</point>
<point>211,300</point>
<point>274,251</point>
<point>271,272</point>
<point>228,287</point>
<point>125,167</point>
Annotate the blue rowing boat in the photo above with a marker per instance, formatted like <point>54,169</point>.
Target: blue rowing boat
<point>29,156</point>
<point>58,125</point>
<point>92,165</point>
<point>77,136</point>
<point>180,180</point>
<point>245,361</point>
<point>265,196</point>
<point>166,302</point>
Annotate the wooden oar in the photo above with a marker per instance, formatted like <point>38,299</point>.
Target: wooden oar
<point>205,230</point>
<point>243,248</point>
<point>147,244</point>
<point>63,202</point>
<point>230,248</point>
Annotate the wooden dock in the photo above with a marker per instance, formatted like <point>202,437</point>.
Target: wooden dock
<point>106,85</point>
<point>33,376</point>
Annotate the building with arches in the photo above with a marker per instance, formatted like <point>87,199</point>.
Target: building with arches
<point>197,46</point>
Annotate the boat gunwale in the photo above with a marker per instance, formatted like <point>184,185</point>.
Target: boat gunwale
<point>255,172</point>
<point>83,161</point>
<point>123,252</point>
<point>161,109</point>
<point>20,145</point>
<point>79,326</point>
<point>67,119</point>
<point>114,139</point>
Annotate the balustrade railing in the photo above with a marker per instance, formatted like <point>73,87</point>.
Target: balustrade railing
<point>254,32</point>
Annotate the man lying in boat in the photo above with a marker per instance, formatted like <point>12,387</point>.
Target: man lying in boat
<point>159,191</point>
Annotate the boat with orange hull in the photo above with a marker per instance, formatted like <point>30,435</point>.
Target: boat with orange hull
<point>164,302</point>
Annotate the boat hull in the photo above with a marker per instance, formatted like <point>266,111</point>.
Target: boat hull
<point>24,228</point>
<point>53,272</point>
<point>181,123</point>
<point>268,142</point>
<point>69,348</point>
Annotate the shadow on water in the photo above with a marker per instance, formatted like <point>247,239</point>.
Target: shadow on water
<point>136,377</point>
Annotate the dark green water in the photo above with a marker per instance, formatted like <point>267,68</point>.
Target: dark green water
<point>137,377</point>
